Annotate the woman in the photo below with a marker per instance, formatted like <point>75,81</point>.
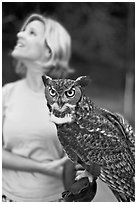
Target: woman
<point>32,156</point>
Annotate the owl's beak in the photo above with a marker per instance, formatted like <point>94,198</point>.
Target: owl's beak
<point>60,103</point>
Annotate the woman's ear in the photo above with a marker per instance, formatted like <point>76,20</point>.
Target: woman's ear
<point>47,54</point>
<point>48,51</point>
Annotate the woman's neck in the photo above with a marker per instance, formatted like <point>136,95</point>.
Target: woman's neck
<point>34,81</point>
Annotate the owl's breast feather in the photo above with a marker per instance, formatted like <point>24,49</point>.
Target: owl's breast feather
<point>70,138</point>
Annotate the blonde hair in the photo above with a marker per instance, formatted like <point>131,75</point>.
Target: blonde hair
<point>58,40</point>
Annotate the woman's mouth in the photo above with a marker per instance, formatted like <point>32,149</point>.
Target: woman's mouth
<point>20,44</point>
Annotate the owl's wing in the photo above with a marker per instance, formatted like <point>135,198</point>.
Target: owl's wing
<point>104,140</point>
<point>101,144</point>
<point>93,168</point>
<point>124,127</point>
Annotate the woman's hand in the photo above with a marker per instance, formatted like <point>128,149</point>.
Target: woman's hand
<point>18,163</point>
<point>54,167</point>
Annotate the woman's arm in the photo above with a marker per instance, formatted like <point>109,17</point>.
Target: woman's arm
<point>16,162</point>
<point>19,163</point>
<point>55,167</point>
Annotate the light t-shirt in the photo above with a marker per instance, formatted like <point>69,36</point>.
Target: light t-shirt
<point>27,131</point>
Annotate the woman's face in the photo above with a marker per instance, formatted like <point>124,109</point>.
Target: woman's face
<point>30,44</point>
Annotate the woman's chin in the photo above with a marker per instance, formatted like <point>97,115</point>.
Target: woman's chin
<point>16,54</point>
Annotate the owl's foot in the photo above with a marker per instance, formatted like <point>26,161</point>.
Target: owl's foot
<point>83,173</point>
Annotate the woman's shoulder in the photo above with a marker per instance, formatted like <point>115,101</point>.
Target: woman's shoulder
<point>12,84</point>
<point>10,87</point>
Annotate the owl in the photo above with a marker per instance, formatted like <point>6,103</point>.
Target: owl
<point>101,141</point>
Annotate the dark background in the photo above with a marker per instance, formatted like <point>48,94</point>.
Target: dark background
<point>103,46</point>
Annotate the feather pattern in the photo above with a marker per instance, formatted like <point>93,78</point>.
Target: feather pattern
<point>103,142</point>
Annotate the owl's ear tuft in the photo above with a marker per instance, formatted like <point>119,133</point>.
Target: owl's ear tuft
<point>46,80</point>
<point>83,81</point>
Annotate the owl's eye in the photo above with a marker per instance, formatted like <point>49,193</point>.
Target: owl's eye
<point>70,93</point>
<point>52,91</point>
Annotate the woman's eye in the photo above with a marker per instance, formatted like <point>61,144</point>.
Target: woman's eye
<point>32,32</point>
<point>70,93</point>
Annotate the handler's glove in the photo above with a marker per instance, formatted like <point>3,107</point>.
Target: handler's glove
<point>81,191</point>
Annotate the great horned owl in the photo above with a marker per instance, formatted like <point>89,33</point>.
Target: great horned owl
<point>101,141</point>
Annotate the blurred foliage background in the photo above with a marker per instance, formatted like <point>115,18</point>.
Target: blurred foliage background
<point>103,46</point>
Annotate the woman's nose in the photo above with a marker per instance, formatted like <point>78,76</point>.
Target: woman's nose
<point>20,34</point>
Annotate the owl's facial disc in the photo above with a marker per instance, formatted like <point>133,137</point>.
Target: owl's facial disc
<point>61,115</point>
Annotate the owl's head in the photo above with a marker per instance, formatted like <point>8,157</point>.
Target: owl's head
<point>63,96</point>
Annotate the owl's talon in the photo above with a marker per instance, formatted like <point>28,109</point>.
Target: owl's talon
<point>84,174</point>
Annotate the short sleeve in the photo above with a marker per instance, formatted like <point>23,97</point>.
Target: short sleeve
<point>6,90</point>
